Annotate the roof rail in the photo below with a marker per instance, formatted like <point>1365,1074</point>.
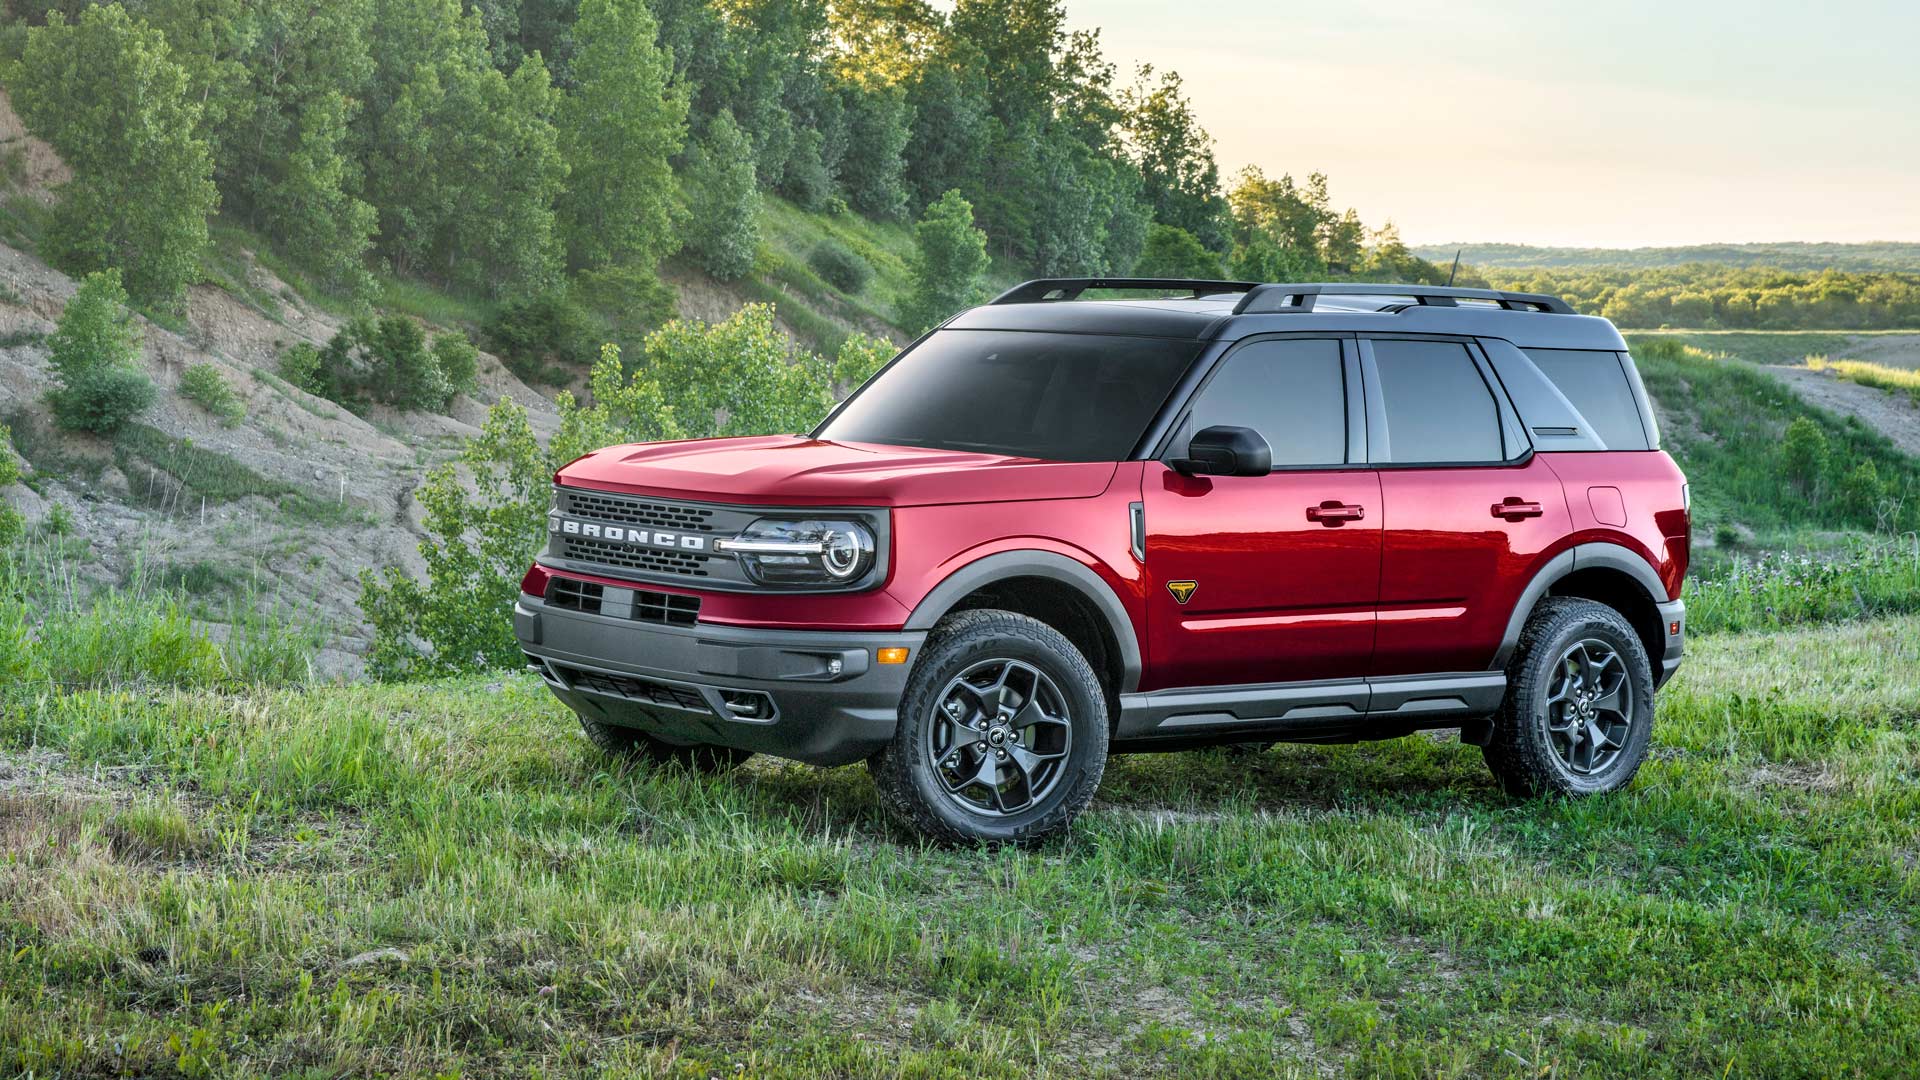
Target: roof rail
<point>1272,299</point>
<point>1052,289</point>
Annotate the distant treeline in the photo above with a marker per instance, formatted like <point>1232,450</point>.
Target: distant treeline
<point>1706,296</point>
<point>1783,256</point>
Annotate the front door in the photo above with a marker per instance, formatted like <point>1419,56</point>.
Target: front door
<point>1266,579</point>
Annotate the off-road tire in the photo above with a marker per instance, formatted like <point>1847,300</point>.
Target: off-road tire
<point>633,744</point>
<point>1522,752</point>
<point>905,775</point>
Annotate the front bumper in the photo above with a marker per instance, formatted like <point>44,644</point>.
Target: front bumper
<point>1673,625</point>
<point>809,695</point>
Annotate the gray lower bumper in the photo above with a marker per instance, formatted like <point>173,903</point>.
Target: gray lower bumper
<point>815,696</point>
<point>1673,624</point>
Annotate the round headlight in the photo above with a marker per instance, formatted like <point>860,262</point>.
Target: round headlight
<point>842,556</point>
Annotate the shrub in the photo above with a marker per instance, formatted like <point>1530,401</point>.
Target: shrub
<point>744,367</point>
<point>1173,252</point>
<point>459,363</point>
<point>1803,454</point>
<point>723,198</point>
<point>1861,492</point>
<point>542,337</point>
<point>397,366</point>
<point>9,463</point>
<point>203,384</point>
<point>300,365</point>
<point>842,268</point>
<point>102,401</point>
<point>94,349</point>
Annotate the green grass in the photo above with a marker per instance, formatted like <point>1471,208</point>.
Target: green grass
<point>1761,346</point>
<point>1894,380</point>
<point>214,477</point>
<point>1725,422</point>
<point>1863,578</point>
<point>443,879</point>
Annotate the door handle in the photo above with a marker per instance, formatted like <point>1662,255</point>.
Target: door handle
<point>1334,513</point>
<point>1513,508</point>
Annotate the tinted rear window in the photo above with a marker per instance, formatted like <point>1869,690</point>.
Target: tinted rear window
<point>1438,407</point>
<point>1596,383</point>
<point>1057,397</point>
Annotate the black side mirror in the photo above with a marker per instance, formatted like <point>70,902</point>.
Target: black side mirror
<point>1225,451</point>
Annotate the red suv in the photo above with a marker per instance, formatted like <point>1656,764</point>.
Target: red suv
<point>1056,528</point>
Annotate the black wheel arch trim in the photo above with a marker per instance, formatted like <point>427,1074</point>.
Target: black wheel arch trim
<point>1589,556</point>
<point>1053,566</point>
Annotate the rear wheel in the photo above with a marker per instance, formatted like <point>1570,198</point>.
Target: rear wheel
<point>637,745</point>
<point>1002,735</point>
<point>1578,715</point>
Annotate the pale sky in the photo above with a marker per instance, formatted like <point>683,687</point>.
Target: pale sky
<point>1603,123</point>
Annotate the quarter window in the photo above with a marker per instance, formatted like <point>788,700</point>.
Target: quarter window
<point>1292,391</point>
<point>1596,383</point>
<point>1438,407</point>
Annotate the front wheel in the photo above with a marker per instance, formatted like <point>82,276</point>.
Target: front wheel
<point>1002,735</point>
<point>1578,715</point>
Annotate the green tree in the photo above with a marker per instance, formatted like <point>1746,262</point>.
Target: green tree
<point>949,264</point>
<point>462,162</point>
<point>1804,454</point>
<point>459,364</point>
<point>723,200</point>
<point>105,92</point>
<point>1175,252</point>
<point>95,354</point>
<point>872,169</point>
<point>619,128</point>
<point>486,519</point>
<point>1175,157</point>
<point>744,368</point>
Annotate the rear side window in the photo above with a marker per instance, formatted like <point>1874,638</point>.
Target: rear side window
<point>1293,392</point>
<point>1596,382</point>
<point>1438,407</point>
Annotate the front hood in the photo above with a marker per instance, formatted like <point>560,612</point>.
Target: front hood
<point>791,470</point>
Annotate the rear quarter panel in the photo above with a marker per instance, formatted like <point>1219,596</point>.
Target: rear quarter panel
<point>1633,499</point>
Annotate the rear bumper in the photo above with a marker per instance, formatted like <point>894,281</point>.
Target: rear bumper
<point>1673,624</point>
<point>825,699</point>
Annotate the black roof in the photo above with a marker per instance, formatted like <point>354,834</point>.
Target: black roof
<point>1232,310</point>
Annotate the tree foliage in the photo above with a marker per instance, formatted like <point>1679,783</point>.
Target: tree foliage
<point>619,128</point>
<point>1174,252</point>
<point>95,354</point>
<point>723,200</point>
<point>107,94</point>
<point>948,266</point>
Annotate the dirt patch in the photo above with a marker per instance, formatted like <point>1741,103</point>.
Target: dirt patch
<point>1893,415</point>
<point>1893,350</point>
<point>30,164</point>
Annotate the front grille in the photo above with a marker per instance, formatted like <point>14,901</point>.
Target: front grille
<point>633,688</point>
<point>659,561</point>
<point>631,511</point>
<point>666,609</point>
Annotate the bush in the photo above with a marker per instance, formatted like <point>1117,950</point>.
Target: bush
<point>9,463</point>
<point>1804,455</point>
<point>94,350</point>
<point>459,363</point>
<point>202,383</point>
<point>300,365</point>
<point>102,401</point>
<point>544,337</point>
<point>1176,253</point>
<point>949,264</point>
<point>842,268</point>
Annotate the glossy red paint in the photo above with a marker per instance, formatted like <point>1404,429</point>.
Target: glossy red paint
<point>1657,526</point>
<point>1423,580</point>
<point>790,470</point>
<point>1451,569</point>
<point>1278,596</point>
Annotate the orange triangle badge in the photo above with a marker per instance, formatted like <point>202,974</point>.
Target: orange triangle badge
<point>1182,590</point>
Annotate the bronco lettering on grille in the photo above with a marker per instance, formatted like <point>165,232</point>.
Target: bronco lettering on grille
<point>621,534</point>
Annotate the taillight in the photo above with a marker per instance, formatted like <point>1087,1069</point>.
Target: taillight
<point>536,582</point>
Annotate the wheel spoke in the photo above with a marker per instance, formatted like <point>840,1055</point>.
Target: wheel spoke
<point>1006,750</point>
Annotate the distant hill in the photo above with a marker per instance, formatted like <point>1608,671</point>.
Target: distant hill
<point>1883,256</point>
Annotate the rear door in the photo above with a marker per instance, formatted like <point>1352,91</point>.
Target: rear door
<point>1267,579</point>
<point>1468,508</point>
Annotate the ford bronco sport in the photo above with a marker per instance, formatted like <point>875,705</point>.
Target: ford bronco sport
<point>1058,527</point>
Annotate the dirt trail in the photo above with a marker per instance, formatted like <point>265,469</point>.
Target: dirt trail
<point>1893,415</point>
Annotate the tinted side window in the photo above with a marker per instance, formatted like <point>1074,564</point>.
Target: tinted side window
<point>1438,407</point>
<point>1293,392</point>
<point>1596,383</point>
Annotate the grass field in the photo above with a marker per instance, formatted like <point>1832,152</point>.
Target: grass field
<point>442,879</point>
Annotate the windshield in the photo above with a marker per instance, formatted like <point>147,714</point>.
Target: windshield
<point>1057,397</point>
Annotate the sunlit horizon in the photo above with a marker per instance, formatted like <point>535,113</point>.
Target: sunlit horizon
<point>1623,125</point>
